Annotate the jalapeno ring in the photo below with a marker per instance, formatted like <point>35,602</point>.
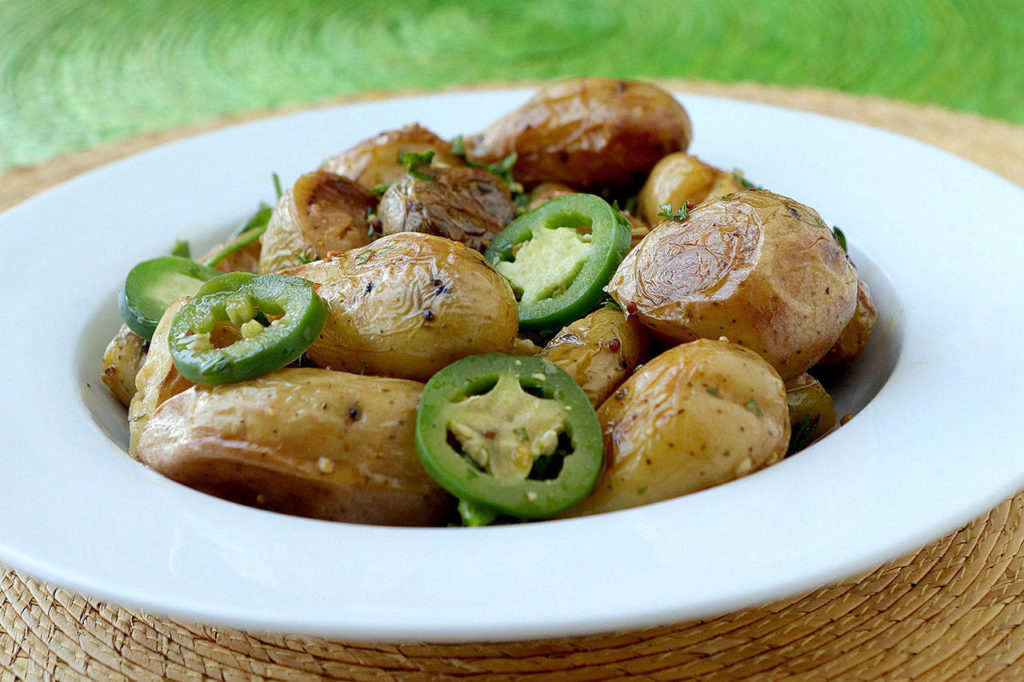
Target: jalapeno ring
<point>558,258</point>
<point>295,313</point>
<point>514,434</point>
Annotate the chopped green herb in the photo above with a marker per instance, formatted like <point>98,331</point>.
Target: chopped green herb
<point>666,211</point>
<point>611,304</point>
<point>458,147</point>
<point>713,390</point>
<point>642,490</point>
<point>802,432</point>
<point>840,237</point>
<point>277,185</point>
<point>137,417</point>
<point>754,407</point>
<point>521,433</point>
<point>181,249</point>
<point>415,162</point>
<point>363,257</point>
<point>737,175</point>
<point>501,169</point>
<point>378,190</point>
<point>475,515</point>
<point>305,257</point>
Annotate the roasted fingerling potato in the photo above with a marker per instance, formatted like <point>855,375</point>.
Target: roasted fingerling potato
<point>855,334</point>
<point>468,205</point>
<point>811,413</point>
<point>680,179</point>
<point>321,213</point>
<point>409,304</point>
<point>311,442</point>
<point>587,133</point>
<point>122,359</point>
<point>759,268</point>
<point>599,351</point>
<point>698,415</point>
<point>376,163</point>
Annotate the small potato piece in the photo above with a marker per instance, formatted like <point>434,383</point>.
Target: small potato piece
<point>245,259</point>
<point>599,351</point>
<point>758,268</point>
<point>311,442</point>
<point>374,162</point>
<point>408,305</point>
<point>679,179</point>
<point>811,413</point>
<point>122,359</point>
<point>545,192</point>
<point>698,415</point>
<point>322,212</point>
<point>855,335</point>
<point>588,133</point>
<point>468,205</point>
<point>157,379</point>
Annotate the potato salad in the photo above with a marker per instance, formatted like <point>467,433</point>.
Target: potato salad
<point>562,314</point>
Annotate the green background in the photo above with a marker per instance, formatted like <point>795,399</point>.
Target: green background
<point>79,74</point>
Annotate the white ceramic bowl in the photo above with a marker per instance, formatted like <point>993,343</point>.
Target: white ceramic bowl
<point>936,439</point>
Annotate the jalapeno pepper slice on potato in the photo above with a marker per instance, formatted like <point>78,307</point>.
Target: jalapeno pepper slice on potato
<point>559,256</point>
<point>277,317</point>
<point>153,285</point>
<point>512,434</point>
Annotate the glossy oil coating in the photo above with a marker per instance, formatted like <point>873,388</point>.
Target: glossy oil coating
<point>409,304</point>
<point>758,268</point>
<point>321,213</point>
<point>587,133</point>
<point>698,415</point>
<point>311,442</point>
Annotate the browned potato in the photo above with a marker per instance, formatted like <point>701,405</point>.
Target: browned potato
<point>157,379</point>
<point>469,205</point>
<point>245,259</point>
<point>698,415</point>
<point>758,268</point>
<point>811,413</point>
<point>374,162</point>
<point>599,351</point>
<point>855,335</point>
<point>408,305</point>
<point>121,362</point>
<point>322,213</point>
<point>587,133</point>
<point>545,192</point>
<point>327,445</point>
<point>679,179</point>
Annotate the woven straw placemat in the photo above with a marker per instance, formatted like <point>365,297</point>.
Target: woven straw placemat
<point>953,610</point>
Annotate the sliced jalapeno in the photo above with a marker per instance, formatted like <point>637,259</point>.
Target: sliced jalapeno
<point>559,256</point>
<point>511,434</point>
<point>153,285</point>
<point>276,316</point>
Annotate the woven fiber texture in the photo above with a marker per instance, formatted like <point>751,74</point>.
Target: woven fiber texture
<point>76,74</point>
<point>953,610</point>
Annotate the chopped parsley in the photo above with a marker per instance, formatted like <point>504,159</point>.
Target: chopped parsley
<point>277,185</point>
<point>713,390</point>
<point>181,249</point>
<point>737,175</point>
<point>500,169</point>
<point>802,432</point>
<point>415,162</point>
<point>754,407</point>
<point>666,211</point>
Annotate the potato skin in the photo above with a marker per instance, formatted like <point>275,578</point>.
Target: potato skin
<point>122,359</point>
<point>758,268</point>
<point>697,415</point>
<point>808,400</point>
<point>599,351</point>
<point>588,133</point>
<point>681,178</point>
<point>311,442</point>
<point>322,212</point>
<point>468,205</point>
<point>375,161</point>
<point>408,305</point>
<point>157,380</point>
<point>855,335</point>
